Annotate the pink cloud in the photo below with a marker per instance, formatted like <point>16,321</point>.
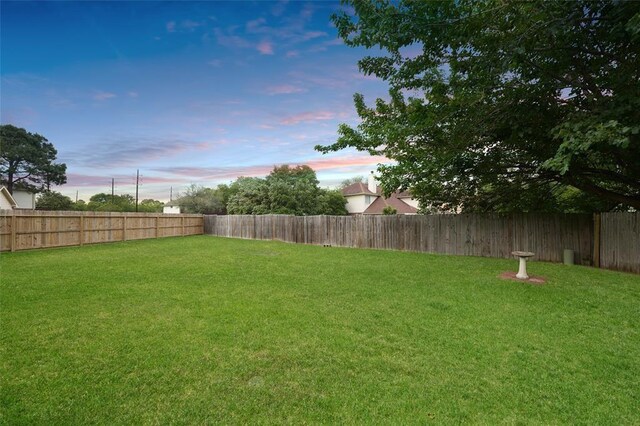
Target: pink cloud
<point>171,26</point>
<point>292,53</point>
<point>284,89</point>
<point>258,170</point>
<point>218,173</point>
<point>308,116</point>
<point>346,161</point>
<point>265,47</point>
<point>83,180</point>
<point>204,146</point>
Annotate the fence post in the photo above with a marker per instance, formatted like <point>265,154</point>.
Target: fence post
<point>124,228</point>
<point>157,225</point>
<point>13,231</point>
<point>182,226</point>
<point>596,239</point>
<point>81,229</point>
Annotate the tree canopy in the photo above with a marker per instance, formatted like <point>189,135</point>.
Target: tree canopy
<point>501,105</point>
<point>27,160</point>
<point>52,200</point>
<point>104,202</point>
<point>286,190</point>
<point>199,199</point>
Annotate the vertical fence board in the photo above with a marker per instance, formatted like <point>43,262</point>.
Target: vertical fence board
<point>620,241</point>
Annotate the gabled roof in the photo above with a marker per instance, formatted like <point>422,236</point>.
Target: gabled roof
<point>380,203</point>
<point>359,188</point>
<point>4,192</point>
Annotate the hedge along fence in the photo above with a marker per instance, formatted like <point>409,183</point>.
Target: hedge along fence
<point>29,229</point>
<point>488,235</point>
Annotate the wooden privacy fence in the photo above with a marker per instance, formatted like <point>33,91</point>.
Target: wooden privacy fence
<point>619,241</point>
<point>489,235</point>
<point>29,229</point>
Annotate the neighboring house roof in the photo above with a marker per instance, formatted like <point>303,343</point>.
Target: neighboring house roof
<point>359,188</point>
<point>378,205</point>
<point>394,201</point>
<point>4,192</point>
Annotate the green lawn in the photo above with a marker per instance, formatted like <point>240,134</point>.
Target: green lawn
<point>203,329</point>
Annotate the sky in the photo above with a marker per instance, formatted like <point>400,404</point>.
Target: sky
<point>184,92</point>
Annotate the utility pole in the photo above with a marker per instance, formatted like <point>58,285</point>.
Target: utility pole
<point>137,184</point>
<point>171,193</point>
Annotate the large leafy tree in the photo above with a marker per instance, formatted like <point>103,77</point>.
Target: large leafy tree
<point>293,190</point>
<point>498,103</point>
<point>286,190</point>
<point>199,199</point>
<point>52,200</point>
<point>249,195</point>
<point>27,160</point>
<point>150,205</point>
<point>104,202</point>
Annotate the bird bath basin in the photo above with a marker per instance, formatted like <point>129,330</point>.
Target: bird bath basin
<point>522,270</point>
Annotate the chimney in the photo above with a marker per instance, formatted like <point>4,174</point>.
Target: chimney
<point>371,183</point>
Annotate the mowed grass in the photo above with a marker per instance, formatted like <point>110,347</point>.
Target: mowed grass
<point>211,330</point>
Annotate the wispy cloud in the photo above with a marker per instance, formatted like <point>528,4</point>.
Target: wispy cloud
<point>308,117</point>
<point>279,8</point>
<point>218,173</point>
<point>103,96</point>
<point>186,25</point>
<point>131,151</point>
<point>336,163</point>
<point>265,47</point>
<point>231,40</point>
<point>309,35</point>
<point>257,170</point>
<point>121,180</point>
<point>284,89</point>
<point>190,25</point>
<point>22,116</point>
<point>255,25</point>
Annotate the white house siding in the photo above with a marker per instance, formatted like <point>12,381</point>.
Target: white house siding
<point>4,203</point>
<point>171,209</point>
<point>412,202</point>
<point>24,199</point>
<point>357,203</point>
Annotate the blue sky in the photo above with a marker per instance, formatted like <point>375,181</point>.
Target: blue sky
<point>187,92</point>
